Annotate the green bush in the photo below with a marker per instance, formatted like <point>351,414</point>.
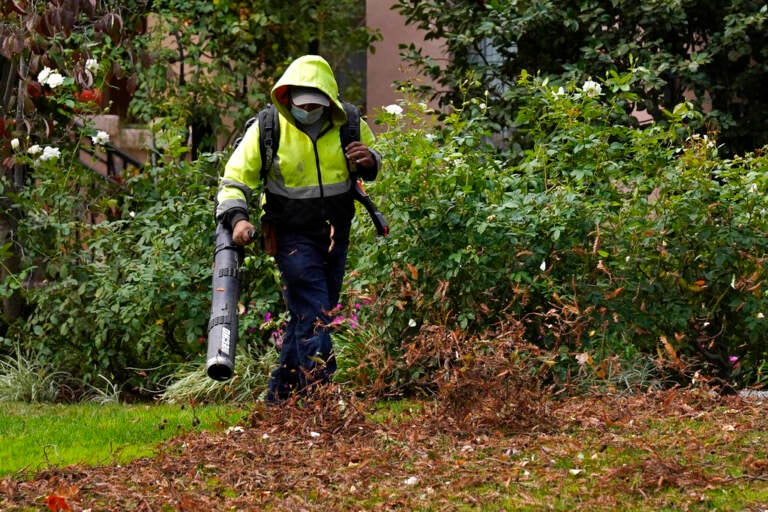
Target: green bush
<point>127,297</point>
<point>602,238</point>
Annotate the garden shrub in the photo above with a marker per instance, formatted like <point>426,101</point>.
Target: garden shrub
<point>126,297</point>
<point>604,241</point>
<point>602,238</point>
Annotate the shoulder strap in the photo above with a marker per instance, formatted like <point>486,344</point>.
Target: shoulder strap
<point>350,131</point>
<point>269,135</point>
<point>269,138</point>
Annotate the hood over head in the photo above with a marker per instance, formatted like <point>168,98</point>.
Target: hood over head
<point>309,71</point>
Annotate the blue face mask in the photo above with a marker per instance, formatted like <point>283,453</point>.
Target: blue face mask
<point>303,117</point>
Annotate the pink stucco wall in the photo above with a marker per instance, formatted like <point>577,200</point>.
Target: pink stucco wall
<point>384,66</point>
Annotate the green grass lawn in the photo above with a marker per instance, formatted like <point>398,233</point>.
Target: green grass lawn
<point>35,436</point>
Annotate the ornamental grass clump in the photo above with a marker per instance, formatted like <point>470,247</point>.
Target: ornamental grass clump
<point>191,382</point>
<point>24,379</point>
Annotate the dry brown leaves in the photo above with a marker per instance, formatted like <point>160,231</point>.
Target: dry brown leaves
<point>328,454</point>
<point>493,438</point>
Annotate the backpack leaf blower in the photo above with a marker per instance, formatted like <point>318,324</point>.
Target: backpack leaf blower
<point>223,322</point>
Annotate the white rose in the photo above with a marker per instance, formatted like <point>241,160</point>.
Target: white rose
<point>592,89</point>
<point>92,65</point>
<point>34,149</point>
<point>50,153</point>
<point>393,109</point>
<point>15,144</point>
<point>54,80</point>
<point>101,137</point>
<point>42,77</point>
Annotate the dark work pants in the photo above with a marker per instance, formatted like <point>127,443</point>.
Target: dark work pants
<point>312,276</point>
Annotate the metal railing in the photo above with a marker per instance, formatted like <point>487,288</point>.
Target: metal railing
<point>107,159</point>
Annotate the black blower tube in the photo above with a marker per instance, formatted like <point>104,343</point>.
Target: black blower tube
<point>222,326</point>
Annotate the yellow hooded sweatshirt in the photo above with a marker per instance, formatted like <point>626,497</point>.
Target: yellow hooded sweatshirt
<point>308,185</point>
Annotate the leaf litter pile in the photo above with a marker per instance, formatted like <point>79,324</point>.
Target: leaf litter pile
<point>490,438</point>
<point>674,449</point>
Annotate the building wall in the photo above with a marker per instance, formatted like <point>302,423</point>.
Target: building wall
<point>384,66</point>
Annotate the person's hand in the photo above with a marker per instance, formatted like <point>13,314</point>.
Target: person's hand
<point>357,153</point>
<point>241,234</point>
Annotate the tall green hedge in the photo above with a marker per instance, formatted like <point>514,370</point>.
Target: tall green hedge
<point>599,238</point>
<point>602,238</point>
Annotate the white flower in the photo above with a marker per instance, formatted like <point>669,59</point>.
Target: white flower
<point>132,214</point>
<point>42,77</point>
<point>34,149</point>
<point>559,92</point>
<point>50,153</point>
<point>543,265</point>
<point>753,188</point>
<point>393,109</point>
<point>101,137</point>
<point>412,323</point>
<point>50,78</point>
<point>15,144</point>
<point>54,80</point>
<point>592,89</point>
<point>92,65</point>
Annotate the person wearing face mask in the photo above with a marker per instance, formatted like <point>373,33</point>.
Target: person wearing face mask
<point>307,213</point>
